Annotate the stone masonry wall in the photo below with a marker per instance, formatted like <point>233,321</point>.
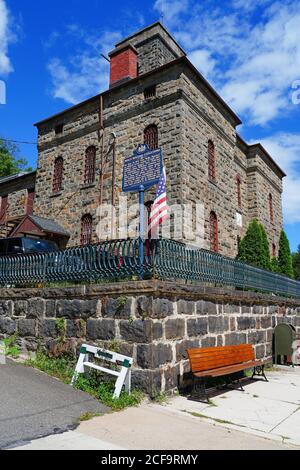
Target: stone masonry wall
<point>154,322</point>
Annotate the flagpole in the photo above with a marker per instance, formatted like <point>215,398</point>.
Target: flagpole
<point>142,229</point>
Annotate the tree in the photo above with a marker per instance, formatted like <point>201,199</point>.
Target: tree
<point>285,263</point>
<point>266,259</point>
<point>10,163</point>
<point>253,249</point>
<point>274,265</point>
<point>296,264</point>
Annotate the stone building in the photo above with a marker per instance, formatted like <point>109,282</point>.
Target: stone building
<point>158,97</point>
<point>17,194</point>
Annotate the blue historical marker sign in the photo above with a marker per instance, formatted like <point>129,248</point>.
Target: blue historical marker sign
<point>143,169</point>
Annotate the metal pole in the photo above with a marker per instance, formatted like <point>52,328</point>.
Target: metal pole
<point>142,230</point>
<point>113,189</point>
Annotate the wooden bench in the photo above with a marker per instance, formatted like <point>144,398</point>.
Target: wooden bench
<point>224,361</point>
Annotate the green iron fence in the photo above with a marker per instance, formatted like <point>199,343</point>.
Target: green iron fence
<point>164,259</point>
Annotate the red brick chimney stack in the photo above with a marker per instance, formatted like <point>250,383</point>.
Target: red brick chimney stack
<point>123,64</point>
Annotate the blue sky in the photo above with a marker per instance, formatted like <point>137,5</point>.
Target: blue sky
<point>249,50</point>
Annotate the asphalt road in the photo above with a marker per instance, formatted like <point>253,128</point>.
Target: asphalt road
<point>34,405</point>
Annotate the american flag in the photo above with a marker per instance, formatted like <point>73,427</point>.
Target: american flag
<point>159,210</point>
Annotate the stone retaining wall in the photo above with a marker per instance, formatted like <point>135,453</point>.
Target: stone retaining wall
<point>153,321</point>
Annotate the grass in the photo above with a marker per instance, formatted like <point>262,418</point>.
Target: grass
<point>88,416</point>
<point>216,420</point>
<point>11,349</point>
<point>95,384</point>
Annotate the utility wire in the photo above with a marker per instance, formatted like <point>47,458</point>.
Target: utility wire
<point>18,141</point>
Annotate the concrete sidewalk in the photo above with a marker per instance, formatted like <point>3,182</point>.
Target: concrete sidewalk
<point>266,416</point>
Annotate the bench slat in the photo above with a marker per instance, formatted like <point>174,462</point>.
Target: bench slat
<point>223,356</point>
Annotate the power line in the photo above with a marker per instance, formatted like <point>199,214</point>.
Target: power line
<point>18,141</point>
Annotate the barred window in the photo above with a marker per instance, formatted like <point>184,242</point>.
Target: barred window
<point>214,238</point>
<point>239,190</point>
<point>90,165</point>
<point>30,201</point>
<point>151,137</point>
<point>271,210</point>
<point>150,92</point>
<point>58,175</point>
<point>86,230</point>
<point>4,206</point>
<point>211,161</point>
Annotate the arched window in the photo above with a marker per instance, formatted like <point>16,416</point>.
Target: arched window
<point>274,250</point>
<point>151,137</point>
<point>211,161</point>
<point>86,230</point>
<point>271,211</point>
<point>214,238</point>
<point>58,175</point>
<point>90,165</point>
<point>239,190</point>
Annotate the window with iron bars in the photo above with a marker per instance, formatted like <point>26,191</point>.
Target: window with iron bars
<point>86,230</point>
<point>239,190</point>
<point>90,165</point>
<point>211,161</point>
<point>214,237</point>
<point>271,210</point>
<point>151,137</point>
<point>58,175</point>
<point>150,92</point>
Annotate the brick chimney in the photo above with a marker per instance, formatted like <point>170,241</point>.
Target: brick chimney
<point>123,64</point>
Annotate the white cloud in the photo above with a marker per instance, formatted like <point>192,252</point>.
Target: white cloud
<point>204,62</point>
<point>285,148</point>
<point>85,73</point>
<point>254,60</point>
<point>5,38</point>
<point>171,9</point>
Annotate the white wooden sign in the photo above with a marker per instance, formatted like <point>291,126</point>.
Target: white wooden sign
<point>87,353</point>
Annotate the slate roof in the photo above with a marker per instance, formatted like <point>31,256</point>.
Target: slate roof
<point>49,225</point>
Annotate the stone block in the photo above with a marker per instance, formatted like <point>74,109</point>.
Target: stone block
<point>218,324</point>
<point>48,329</point>
<point>209,342</point>
<point>20,308</point>
<point>256,337</point>
<point>76,328</point>
<point>234,339</point>
<point>140,331</point>
<point>183,346</point>
<point>175,328</point>
<point>185,307</point>
<point>162,308</point>
<point>266,322</point>
<point>72,309</point>
<point>7,326</point>
<point>246,323</point>
<point>150,356</point>
<point>232,308</point>
<point>197,327</point>
<point>147,381</point>
<point>172,377</point>
<point>27,327</point>
<point>101,329</point>
<point>260,351</point>
<point>50,309</point>
<point>117,308</point>
<point>206,308</point>
<point>6,308</point>
<point>36,308</point>
<point>144,307</point>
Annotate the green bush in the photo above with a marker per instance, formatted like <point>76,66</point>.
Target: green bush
<point>285,262</point>
<point>254,248</point>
